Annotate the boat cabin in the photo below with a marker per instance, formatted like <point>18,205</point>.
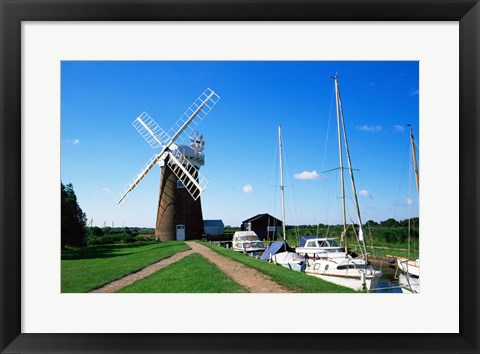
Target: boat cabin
<point>325,243</point>
<point>315,246</point>
<point>247,242</point>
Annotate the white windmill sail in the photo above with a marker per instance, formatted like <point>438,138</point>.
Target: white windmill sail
<point>193,116</point>
<point>151,131</point>
<point>156,137</point>
<point>139,176</point>
<point>189,175</point>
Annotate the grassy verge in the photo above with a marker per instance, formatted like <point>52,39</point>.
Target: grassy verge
<point>393,252</point>
<point>295,281</point>
<point>88,268</point>
<point>387,251</point>
<point>192,274</point>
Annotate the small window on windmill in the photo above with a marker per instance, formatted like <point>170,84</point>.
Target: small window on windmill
<point>180,184</point>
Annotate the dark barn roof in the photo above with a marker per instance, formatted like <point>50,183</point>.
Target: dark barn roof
<point>259,216</point>
<point>213,223</point>
<point>264,225</point>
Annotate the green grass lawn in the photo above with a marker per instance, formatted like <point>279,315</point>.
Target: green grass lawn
<point>88,268</point>
<point>192,274</point>
<point>294,281</point>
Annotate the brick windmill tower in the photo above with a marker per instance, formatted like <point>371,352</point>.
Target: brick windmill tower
<point>179,215</point>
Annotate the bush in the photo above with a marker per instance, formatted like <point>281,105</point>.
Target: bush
<point>94,232</point>
<point>116,238</point>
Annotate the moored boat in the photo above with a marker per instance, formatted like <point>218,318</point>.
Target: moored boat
<point>287,258</point>
<point>281,253</point>
<point>334,263</point>
<point>247,242</point>
<point>410,268</point>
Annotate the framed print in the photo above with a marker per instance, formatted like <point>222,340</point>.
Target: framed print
<point>51,51</point>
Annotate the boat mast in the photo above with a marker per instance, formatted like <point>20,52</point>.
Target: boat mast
<point>340,152</point>
<point>415,168</point>
<point>415,165</point>
<point>341,119</point>
<point>282,187</point>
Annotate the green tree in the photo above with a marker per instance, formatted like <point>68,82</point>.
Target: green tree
<point>74,220</point>
<point>389,223</point>
<point>95,231</point>
<point>371,223</point>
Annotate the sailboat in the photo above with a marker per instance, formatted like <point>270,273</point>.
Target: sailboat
<point>335,264</point>
<point>409,278</point>
<point>287,258</point>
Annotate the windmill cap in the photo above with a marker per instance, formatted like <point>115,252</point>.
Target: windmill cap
<point>192,155</point>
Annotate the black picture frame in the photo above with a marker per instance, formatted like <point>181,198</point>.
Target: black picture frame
<point>13,12</point>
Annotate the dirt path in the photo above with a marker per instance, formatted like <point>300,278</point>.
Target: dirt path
<point>251,279</point>
<point>152,268</point>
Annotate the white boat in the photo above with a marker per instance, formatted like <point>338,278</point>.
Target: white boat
<point>353,273</point>
<point>325,259</point>
<point>287,259</point>
<point>331,262</point>
<point>409,284</point>
<point>410,268</point>
<point>319,245</point>
<point>247,242</point>
<point>281,253</point>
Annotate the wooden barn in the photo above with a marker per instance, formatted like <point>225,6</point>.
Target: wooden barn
<point>265,226</point>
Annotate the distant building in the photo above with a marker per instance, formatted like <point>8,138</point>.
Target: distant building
<point>213,227</point>
<point>265,226</point>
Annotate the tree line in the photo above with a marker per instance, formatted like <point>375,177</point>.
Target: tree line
<point>74,230</point>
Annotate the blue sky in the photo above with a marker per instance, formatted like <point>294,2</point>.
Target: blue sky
<point>101,152</point>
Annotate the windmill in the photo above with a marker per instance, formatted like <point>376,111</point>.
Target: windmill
<point>179,214</point>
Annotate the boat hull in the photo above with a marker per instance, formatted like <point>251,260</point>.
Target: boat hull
<point>409,266</point>
<point>352,282</point>
<point>289,260</point>
<point>351,273</point>
<point>252,252</point>
<point>409,284</point>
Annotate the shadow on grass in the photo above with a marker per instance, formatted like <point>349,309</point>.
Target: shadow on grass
<point>110,251</point>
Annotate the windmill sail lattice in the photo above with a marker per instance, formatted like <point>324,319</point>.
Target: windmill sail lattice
<point>156,137</point>
<point>184,170</point>
<point>151,131</point>
<point>198,110</point>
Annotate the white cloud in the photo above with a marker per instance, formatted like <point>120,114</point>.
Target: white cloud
<point>307,175</point>
<point>409,201</point>
<point>75,141</point>
<point>414,92</point>
<point>399,128</point>
<point>248,188</point>
<point>103,190</point>
<point>369,128</point>
<point>366,194</point>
